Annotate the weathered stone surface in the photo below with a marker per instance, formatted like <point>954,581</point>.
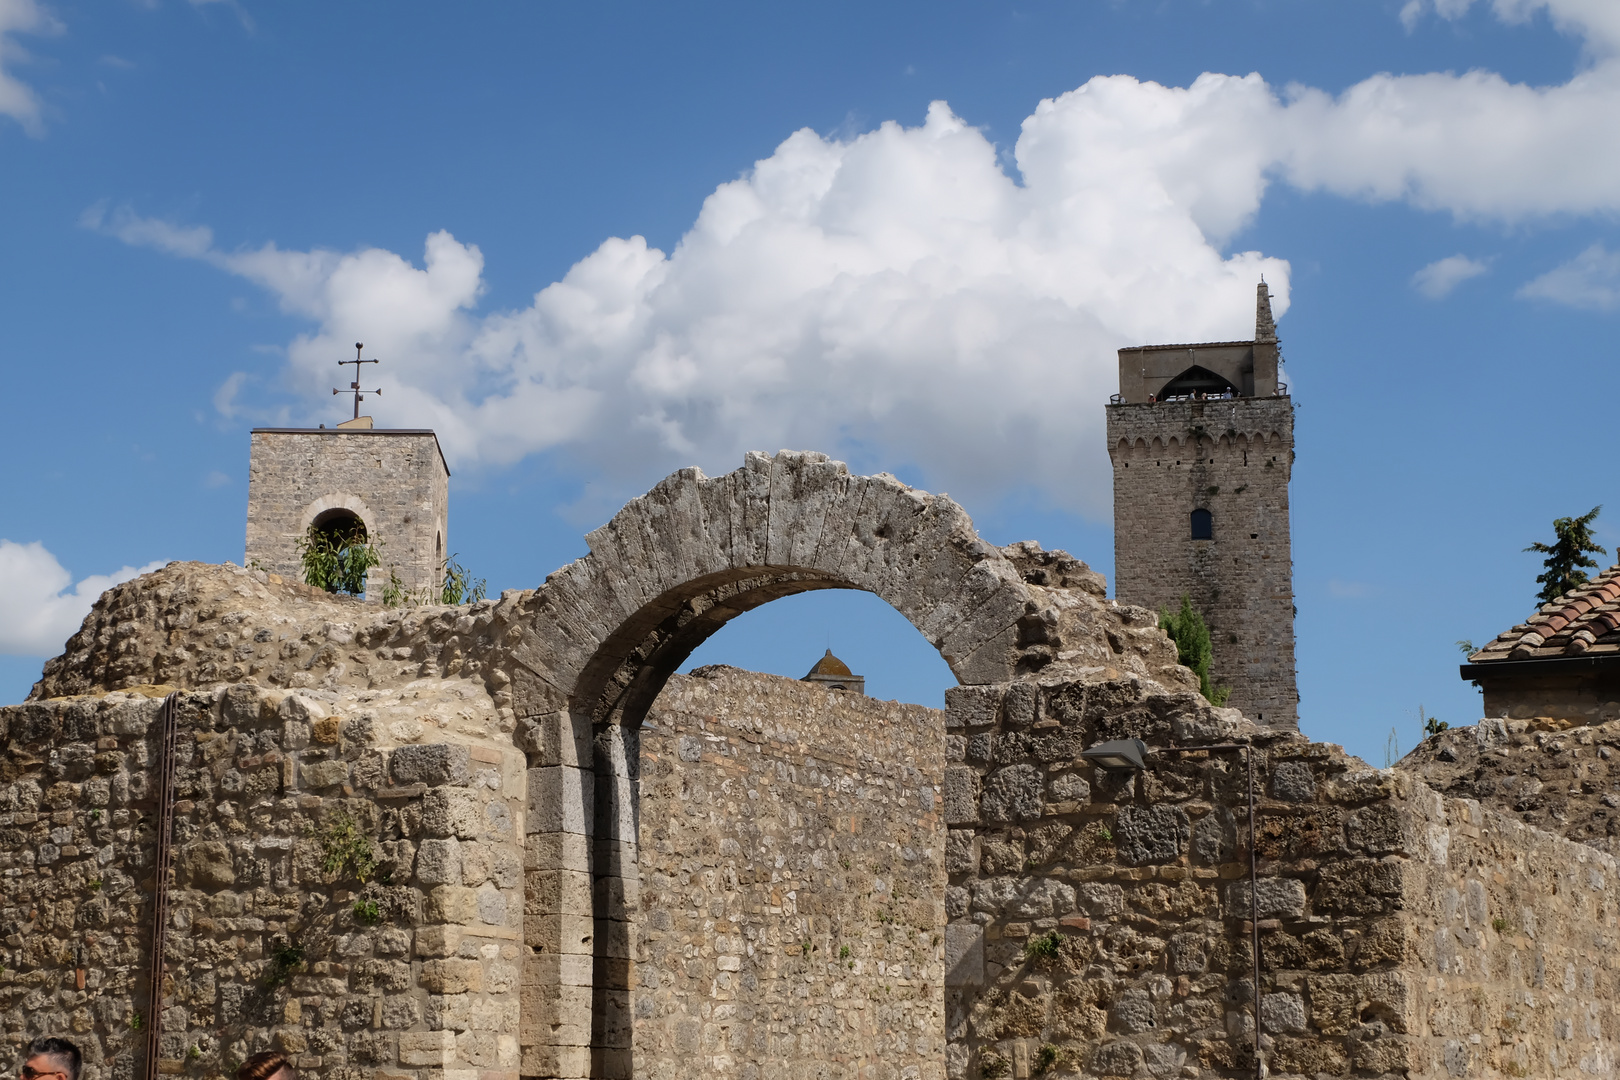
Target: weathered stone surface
<point>1151,833</point>
<point>1293,781</point>
<point>1012,794</point>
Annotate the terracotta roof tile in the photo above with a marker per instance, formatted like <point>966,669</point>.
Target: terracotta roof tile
<point>1586,620</point>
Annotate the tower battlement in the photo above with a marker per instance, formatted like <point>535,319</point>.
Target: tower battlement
<point>1202,442</point>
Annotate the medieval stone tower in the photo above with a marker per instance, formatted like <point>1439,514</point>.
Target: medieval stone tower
<point>1202,441</point>
<point>392,482</point>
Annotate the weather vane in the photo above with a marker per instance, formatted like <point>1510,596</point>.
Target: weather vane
<point>354,387</point>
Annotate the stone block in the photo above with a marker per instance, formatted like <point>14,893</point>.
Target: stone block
<point>453,904</point>
<point>327,731</point>
<point>961,852</point>
<point>561,799</point>
<point>452,811</point>
<point>1277,897</point>
<point>1282,1012</point>
<point>438,862</point>
<point>964,954</point>
<point>207,863</point>
<point>452,976</point>
<point>432,941</point>
<point>560,738</point>
<point>324,774</point>
<point>971,706</point>
<point>435,764</point>
<point>1012,794</point>
<point>961,795</point>
<point>433,1048</point>
<point>1293,781</point>
<point>1151,834</point>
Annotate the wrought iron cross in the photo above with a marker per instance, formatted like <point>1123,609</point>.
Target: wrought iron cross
<point>354,387</point>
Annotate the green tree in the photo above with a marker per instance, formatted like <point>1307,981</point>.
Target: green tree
<point>1191,635</point>
<point>1567,556</point>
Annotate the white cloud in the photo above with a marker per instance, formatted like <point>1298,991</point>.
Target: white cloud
<point>1590,280</point>
<point>40,607</point>
<point>1440,277</point>
<point>899,298</point>
<point>17,99</point>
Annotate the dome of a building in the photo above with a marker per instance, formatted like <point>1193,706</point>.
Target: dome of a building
<point>830,665</point>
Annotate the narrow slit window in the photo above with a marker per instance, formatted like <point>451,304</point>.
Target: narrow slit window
<point>1203,525</point>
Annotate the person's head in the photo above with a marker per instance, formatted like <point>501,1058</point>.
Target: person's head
<point>51,1059</point>
<point>269,1065</point>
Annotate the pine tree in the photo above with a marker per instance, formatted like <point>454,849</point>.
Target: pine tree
<point>1193,650</point>
<point>1567,555</point>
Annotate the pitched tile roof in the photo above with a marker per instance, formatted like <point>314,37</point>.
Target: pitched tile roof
<point>1583,622</point>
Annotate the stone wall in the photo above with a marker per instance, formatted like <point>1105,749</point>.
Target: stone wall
<point>1233,458</point>
<point>1099,922</point>
<point>792,884</point>
<point>274,939</point>
<point>395,481</point>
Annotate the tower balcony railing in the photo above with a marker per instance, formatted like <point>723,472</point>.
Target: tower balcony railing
<point>1119,399</point>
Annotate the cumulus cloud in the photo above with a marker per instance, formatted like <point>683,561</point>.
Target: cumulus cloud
<point>40,606</point>
<point>901,298</point>
<point>17,99</point>
<point>1440,277</point>
<point>1590,280</point>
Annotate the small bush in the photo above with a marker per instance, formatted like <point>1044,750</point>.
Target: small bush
<point>285,958</point>
<point>367,913</point>
<point>344,847</point>
<point>1046,1057</point>
<point>992,1066</point>
<point>1045,947</point>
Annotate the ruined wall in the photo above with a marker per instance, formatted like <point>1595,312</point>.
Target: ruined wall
<point>409,973</point>
<point>1099,923</point>
<point>393,480</point>
<point>1513,971</point>
<point>792,884</point>
<point>1233,458</point>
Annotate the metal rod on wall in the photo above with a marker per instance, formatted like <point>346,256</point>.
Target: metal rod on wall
<point>167,738</point>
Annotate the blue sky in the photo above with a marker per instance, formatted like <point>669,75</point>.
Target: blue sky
<point>202,203</point>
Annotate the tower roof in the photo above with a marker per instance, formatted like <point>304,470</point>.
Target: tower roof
<point>830,665</point>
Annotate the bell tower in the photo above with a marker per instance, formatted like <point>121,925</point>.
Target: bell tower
<point>1202,442</point>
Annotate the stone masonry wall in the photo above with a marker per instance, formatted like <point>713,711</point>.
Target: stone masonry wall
<point>1233,458</point>
<point>1099,922</point>
<point>792,884</point>
<point>409,974</point>
<point>394,481</point>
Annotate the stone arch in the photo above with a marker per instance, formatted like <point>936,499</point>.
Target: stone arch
<point>327,503</point>
<point>592,647</point>
<point>676,564</point>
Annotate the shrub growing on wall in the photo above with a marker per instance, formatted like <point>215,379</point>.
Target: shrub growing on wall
<point>1191,635</point>
<point>337,557</point>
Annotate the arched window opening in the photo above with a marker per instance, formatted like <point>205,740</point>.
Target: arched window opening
<point>336,552</point>
<point>1203,525</point>
<point>1195,381</point>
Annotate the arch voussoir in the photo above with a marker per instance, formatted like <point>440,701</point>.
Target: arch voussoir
<point>802,493</point>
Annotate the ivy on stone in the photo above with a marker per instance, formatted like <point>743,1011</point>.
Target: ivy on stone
<point>1190,632</point>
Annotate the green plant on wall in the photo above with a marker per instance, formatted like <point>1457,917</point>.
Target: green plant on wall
<point>338,556</point>
<point>1567,556</point>
<point>1191,635</point>
<point>459,586</point>
<point>286,957</point>
<point>344,848</point>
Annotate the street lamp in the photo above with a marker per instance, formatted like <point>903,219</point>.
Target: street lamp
<point>1118,754</point>
<point>1132,754</point>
